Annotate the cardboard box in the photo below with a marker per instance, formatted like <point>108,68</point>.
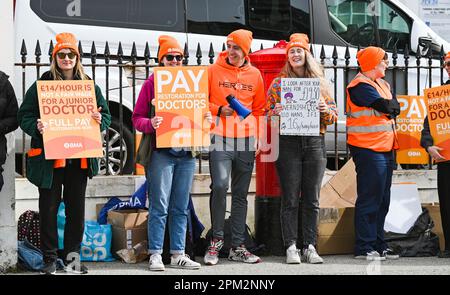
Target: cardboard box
<point>336,229</point>
<point>127,238</point>
<point>129,227</point>
<point>128,219</point>
<point>435,215</point>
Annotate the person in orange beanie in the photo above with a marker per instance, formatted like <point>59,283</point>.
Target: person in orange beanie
<point>232,152</point>
<point>169,172</point>
<point>372,140</point>
<point>443,172</point>
<point>51,176</point>
<point>301,162</point>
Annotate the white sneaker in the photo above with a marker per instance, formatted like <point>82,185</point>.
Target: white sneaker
<point>183,261</point>
<point>212,254</point>
<point>371,256</point>
<point>310,255</point>
<point>292,256</point>
<point>243,255</point>
<point>155,263</point>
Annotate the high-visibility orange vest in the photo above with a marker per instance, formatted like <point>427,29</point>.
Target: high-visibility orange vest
<point>367,127</point>
<point>61,163</point>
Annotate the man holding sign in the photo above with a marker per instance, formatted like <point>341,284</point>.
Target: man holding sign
<point>440,153</point>
<point>65,85</point>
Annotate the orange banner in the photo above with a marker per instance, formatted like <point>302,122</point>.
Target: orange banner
<point>66,108</point>
<point>181,98</point>
<point>409,127</point>
<point>438,105</point>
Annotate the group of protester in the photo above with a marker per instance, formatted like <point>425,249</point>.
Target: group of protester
<point>371,111</point>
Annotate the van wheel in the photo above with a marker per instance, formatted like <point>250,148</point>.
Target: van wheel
<point>114,153</point>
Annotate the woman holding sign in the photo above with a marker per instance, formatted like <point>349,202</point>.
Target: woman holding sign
<point>302,159</point>
<point>169,172</point>
<point>51,175</point>
<point>443,171</point>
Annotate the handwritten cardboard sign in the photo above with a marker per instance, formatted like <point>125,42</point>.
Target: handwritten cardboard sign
<point>181,98</point>
<point>300,101</point>
<point>66,109</point>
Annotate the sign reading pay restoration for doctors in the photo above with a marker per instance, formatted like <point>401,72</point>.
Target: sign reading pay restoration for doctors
<point>66,109</point>
<point>181,99</point>
<point>409,125</point>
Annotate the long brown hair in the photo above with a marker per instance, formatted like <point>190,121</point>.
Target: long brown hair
<point>312,70</point>
<point>78,71</point>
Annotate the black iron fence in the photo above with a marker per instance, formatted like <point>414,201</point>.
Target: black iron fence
<point>120,75</point>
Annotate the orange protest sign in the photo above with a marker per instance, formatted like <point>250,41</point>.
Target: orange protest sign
<point>438,106</point>
<point>181,98</point>
<point>409,126</point>
<point>66,109</point>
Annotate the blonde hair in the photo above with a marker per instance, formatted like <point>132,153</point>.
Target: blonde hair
<point>312,70</point>
<point>78,70</point>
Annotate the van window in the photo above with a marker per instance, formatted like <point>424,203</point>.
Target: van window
<point>167,15</point>
<point>277,19</point>
<point>355,21</point>
<point>215,17</point>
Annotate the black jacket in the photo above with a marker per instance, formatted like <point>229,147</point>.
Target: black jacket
<point>8,113</point>
<point>426,140</point>
<point>8,117</point>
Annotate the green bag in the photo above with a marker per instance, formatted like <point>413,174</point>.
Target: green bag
<point>144,152</point>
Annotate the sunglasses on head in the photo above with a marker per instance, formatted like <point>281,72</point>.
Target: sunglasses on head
<point>62,55</point>
<point>170,57</point>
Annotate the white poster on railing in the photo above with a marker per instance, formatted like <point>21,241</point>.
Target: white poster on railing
<point>436,14</point>
<point>300,101</point>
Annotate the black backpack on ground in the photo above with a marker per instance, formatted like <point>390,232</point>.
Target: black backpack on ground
<point>28,228</point>
<point>250,242</point>
<point>419,241</point>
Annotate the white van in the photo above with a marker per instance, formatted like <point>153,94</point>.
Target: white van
<point>205,23</point>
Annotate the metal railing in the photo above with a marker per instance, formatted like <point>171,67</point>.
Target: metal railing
<point>136,68</point>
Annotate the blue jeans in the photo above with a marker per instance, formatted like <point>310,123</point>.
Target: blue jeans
<point>374,178</point>
<point>169,184</point>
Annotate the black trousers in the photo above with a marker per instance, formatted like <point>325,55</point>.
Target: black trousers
<point>74,181</point>
<point>443,184</point>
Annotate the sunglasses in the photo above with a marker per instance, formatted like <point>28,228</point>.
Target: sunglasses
<point>62,55</point>
<point>170,57</point>
<point>447,64</point>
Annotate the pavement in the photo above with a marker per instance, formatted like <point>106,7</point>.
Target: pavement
<point>275,265</point>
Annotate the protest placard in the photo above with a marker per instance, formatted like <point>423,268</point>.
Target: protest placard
<point>66,109</point>
<point>181,98</point>
<point>409,127</point>
<point>438,106</point>
<point>300,101</point>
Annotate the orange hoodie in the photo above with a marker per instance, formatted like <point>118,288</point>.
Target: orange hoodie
<point>246,84</point>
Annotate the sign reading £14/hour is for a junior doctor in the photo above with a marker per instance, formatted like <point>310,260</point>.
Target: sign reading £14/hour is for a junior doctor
<point>181,98</point>
<point>66,109</point>
<point>438,104</point>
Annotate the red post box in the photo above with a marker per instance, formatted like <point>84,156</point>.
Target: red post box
<point>268,193</point>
